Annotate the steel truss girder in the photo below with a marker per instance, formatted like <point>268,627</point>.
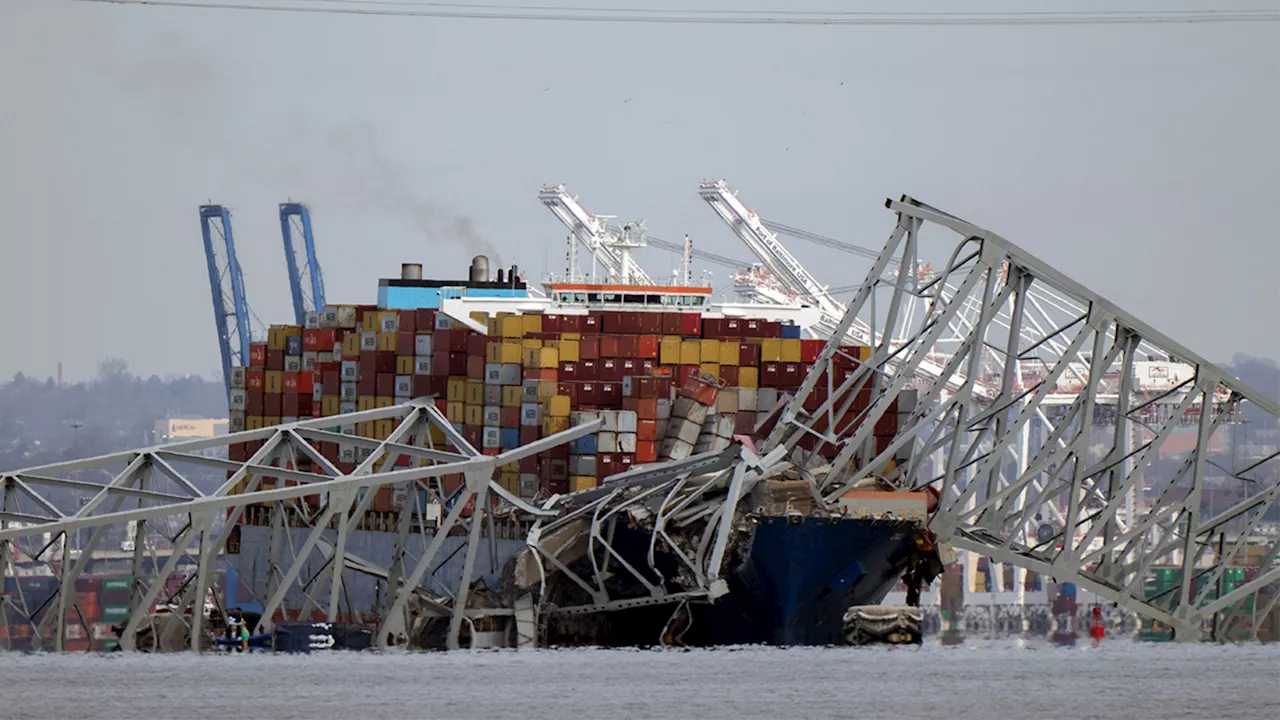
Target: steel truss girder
<point>207,520</point>
<point>1012,455</point>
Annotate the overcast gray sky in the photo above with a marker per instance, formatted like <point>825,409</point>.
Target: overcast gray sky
<point>1141,160</point>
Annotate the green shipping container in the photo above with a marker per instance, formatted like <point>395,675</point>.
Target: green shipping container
<point>123,582</point>
<point>114,613</point>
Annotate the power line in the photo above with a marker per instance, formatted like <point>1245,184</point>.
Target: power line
<point>407,8</point>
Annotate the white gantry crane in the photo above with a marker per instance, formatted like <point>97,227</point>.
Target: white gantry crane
<point>611,249</point>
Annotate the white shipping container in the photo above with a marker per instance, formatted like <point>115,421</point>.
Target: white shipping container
<point>350,393</point>
<point>626,442</point>
<point>421,344</point>
<point>443,322</point>
<point>664,408</point>
<point>528,484</point>
<point>399,498</point>
<point>346,452</point>
<point>689,409</point>
<point>580,417</point>
<point>493,416</point>
<point>529,391</point>
<point>311,320</point>
<point>492,394</point>
<point>492,374</point>
<point>627,423</point>
<point>309,360</point>
<point>317,392</point>
<point>686,430</point>
<point>724,426</point>
<point>347,317</point>
<point>607,442</point>
<point>288,420</point>
<point>509,374</point>
<point>368,341</point>
<point>674,449</point>
<point>292,363</point>
<point>404,386</point>
<point>726,402</point>
<point>324,357</point>
<point>747,399</point>
<point>347,407</point>
<point>329,317</point>
<point>422,365</point>
<point>766,399</point>
<point>350,371</point>
<point>237,378</point>
<point>389,323</point>
<point>627,384</point>
<point>609,423</point>
<point>583,465</point>
<point>491,437</point>
<point>238,399</point>
<point>235,421</point>
<point>531,415</point>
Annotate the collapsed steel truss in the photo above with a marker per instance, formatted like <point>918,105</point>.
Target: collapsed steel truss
<point>168,508</point>
<point>1009,464</point>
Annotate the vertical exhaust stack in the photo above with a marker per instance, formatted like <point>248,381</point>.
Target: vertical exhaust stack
<point>479,269</point>
<point>512,276</point>
<point>410,271</point>
<point>499,277</point>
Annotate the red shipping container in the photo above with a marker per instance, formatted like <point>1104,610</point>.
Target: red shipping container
<point>422,386</point>
<point>236,452</point>
<point>258,355</point>
<point>408,321</point>
<point>529,463</point>
<point>610,370</point>
<point>731,328</point>
<point>424,320</point>
<point>770,374</point>
<point>318,339</point>
<point>588,370</point>
<point>887,425</point>
<point>271,406</point>
<point>684,372</point>
<point>568,370</point>
<point>572,323</point>
<point>406,343</point>
<point>647,347</point>
<point>647,408</point>
<point>570,389</point>
<point>551,323</point>
<point>624,461</point>
<point>368,362</point>
<point>589,348</point>
<point>331,381</point>
<point>729,374</point>
<point>791,375</point>
<point>368,384</point>
<point>629,346</point>
<point>752,328</point>
<point>475,367</point>
<point>748,355</point>
<point>649,366</point>
<point>611,322</point>
<point>646,387</point>
<point>510,417</point>
<point>275,360</point>
<point>651,323</point>
<point>633,322</point>
<point>588,394</point>
<point>609,346</point>
<point>745,422</point>
<point>385,385</point>
<point>711,328</point>
<point>647,430</point>
<point>298,382</point>
<point>629,367</point>
<point>771,328</point>
<point>385,362</point>
<point>478,344</point>
<point>606,465</point>
<point>289,405</point>
<point>691,324</point>
<point>474,435</point>
<point>670,323</point>
<point>590,324</point>
<point>646,451</point>
<point>255,380</point>
<point>810,349</point>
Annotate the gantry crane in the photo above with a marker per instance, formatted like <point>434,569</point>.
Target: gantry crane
<point>226,281</point>
<point>306,283</point>
<point>610,249</point>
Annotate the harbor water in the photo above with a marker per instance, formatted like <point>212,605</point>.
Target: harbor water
<point>979,679</point>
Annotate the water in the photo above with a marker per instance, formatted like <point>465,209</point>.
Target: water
<point>986,680</point>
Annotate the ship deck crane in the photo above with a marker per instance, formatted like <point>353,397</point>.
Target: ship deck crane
<point>306,283</point>
<point>612,250</point>
<point>226,281</point>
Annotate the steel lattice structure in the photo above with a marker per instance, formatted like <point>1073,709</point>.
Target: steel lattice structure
<point>1004,464</point>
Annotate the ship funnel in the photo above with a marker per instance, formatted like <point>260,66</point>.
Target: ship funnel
<point>499,277</point>
<point>410,271</point>
<point>512,277</point>
<point>479,269</point>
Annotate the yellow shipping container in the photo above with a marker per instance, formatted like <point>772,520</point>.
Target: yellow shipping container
<point>748,377</point>
<point>351,346</point>
<point>558,406</point>
<point>570,350</point>
<point>571,336</point>
<point>275,338</point>
<point>386,342</point>
<point>456,391</point>
<point>669,351</point>
<point>404,364</point>
<point>271,421</point>
<point>475,393</point>
<point>365,402</point>
<point>253,422</point>
<point>864,352</point>
<point>274,382</point>
<point>382,429</point>
<point>474,415</point>
<point>546,390</point>
<point>512,327</point>
<point>510,353</point>
<point>771,350</point>
<point>330,405</point>
<point>549,358</point>
<point>385,317</point>
<point>728,352</point>
<point>791,350</point>
<point>552,425</point>
<point>578,483</point>
<point>531,343</point>
<point>509,479</point>
<point>708,351</point>
<point>369,321</point>
<point>493,352</point>
<point>690,352</point>
<point>710,368</point>
<point>511,395</point>
<point>455,412</point>
<point>384,402</point>
<point>493,326</point>
<point>531,323</point>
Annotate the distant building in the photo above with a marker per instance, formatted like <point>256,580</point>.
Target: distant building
<point>178,429</point>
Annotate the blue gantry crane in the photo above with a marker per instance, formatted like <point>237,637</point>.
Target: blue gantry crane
<point>305,280</point>
<point>230,309</point>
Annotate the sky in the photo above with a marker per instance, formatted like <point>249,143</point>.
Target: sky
<point>1137,159</point>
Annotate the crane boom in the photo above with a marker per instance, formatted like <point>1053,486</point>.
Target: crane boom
<point>306,283</point>
<point>612,251</point>
<point>226,282</point>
